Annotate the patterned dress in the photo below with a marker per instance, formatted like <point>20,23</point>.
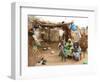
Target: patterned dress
<point>68,49</point>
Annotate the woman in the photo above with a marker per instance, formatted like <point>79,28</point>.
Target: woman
<point>68,48</point>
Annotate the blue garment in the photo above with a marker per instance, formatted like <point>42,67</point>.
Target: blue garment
<point>76,53</point>
<point>73,27</point>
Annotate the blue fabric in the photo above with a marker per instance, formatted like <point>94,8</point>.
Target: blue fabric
<point>73,27</point>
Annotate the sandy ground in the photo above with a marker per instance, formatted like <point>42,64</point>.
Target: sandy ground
<point>54,59</point>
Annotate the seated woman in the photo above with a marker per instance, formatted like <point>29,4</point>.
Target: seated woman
<point>68,48</point>
<point>76,51</point>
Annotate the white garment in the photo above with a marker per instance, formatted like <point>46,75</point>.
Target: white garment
<point>61,32</point>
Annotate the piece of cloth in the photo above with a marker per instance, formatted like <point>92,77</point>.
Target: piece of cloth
<point>61,32</point>
<point>73,27</point>
<point>75,36</point>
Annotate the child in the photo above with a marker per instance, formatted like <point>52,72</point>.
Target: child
<point>76,51</point>
<point>62,53</point>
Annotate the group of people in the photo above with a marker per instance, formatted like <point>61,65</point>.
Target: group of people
<point>69,49</point>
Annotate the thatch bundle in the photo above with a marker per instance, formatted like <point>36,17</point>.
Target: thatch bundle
<point>83,42</point>
<point>54,35</point>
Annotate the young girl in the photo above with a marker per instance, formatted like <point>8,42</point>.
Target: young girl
<point>62,53</point>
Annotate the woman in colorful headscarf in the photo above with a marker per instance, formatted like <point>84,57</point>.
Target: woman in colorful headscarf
<point>68,48</point>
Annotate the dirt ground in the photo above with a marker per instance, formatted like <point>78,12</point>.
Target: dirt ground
<point>54,59</point>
